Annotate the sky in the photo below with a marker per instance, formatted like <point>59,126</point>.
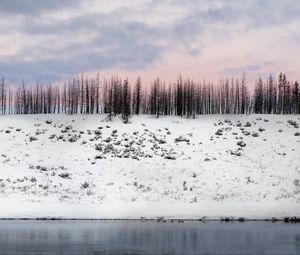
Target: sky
<point>47,41</point>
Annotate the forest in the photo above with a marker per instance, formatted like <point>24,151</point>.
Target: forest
<point>89,95</point>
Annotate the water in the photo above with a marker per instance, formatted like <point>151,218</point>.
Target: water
<point>130,237</point>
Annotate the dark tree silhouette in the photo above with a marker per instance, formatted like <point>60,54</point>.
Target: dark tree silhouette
<point>89,95</point>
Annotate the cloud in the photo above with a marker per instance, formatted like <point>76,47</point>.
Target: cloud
<point>133,36</point>
<point>34,7</point>
<point>82,43</point>
<point>253,70</point>
<point>126,45</point>
<point>243,69</point>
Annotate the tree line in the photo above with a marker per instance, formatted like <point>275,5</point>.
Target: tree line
<point>281,97</point>
<point>185,97</point>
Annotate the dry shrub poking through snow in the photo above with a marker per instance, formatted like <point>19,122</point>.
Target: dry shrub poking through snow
<point>181,139</point>
<point>297,182</point>
<point>184,186</point>
<point>171,157</point>
<point>293,123</point>
<point>32,138</point>
<point>194,200</point>
<point>85,185</point>
<point>74,138</point>
<point>33,179</point>
<point>241,144</point>
<point>64,175</point>
<point>52,136</point>
<point>219,132</point>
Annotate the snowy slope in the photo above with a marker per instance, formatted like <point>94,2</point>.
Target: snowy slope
<point>213,166</point>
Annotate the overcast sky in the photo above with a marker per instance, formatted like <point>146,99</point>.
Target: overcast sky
<point>46,41</point>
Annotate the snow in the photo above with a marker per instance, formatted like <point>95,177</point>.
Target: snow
<point>83,166</point>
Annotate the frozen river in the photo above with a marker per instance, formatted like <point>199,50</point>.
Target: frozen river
<point>134,237</point>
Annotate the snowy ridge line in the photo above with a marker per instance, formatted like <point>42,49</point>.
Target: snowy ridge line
<point>162,219</point>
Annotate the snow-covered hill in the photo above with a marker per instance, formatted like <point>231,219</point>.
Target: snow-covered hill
<point>213,166</point>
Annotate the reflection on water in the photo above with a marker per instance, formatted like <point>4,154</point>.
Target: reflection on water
<point>102,237</point>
